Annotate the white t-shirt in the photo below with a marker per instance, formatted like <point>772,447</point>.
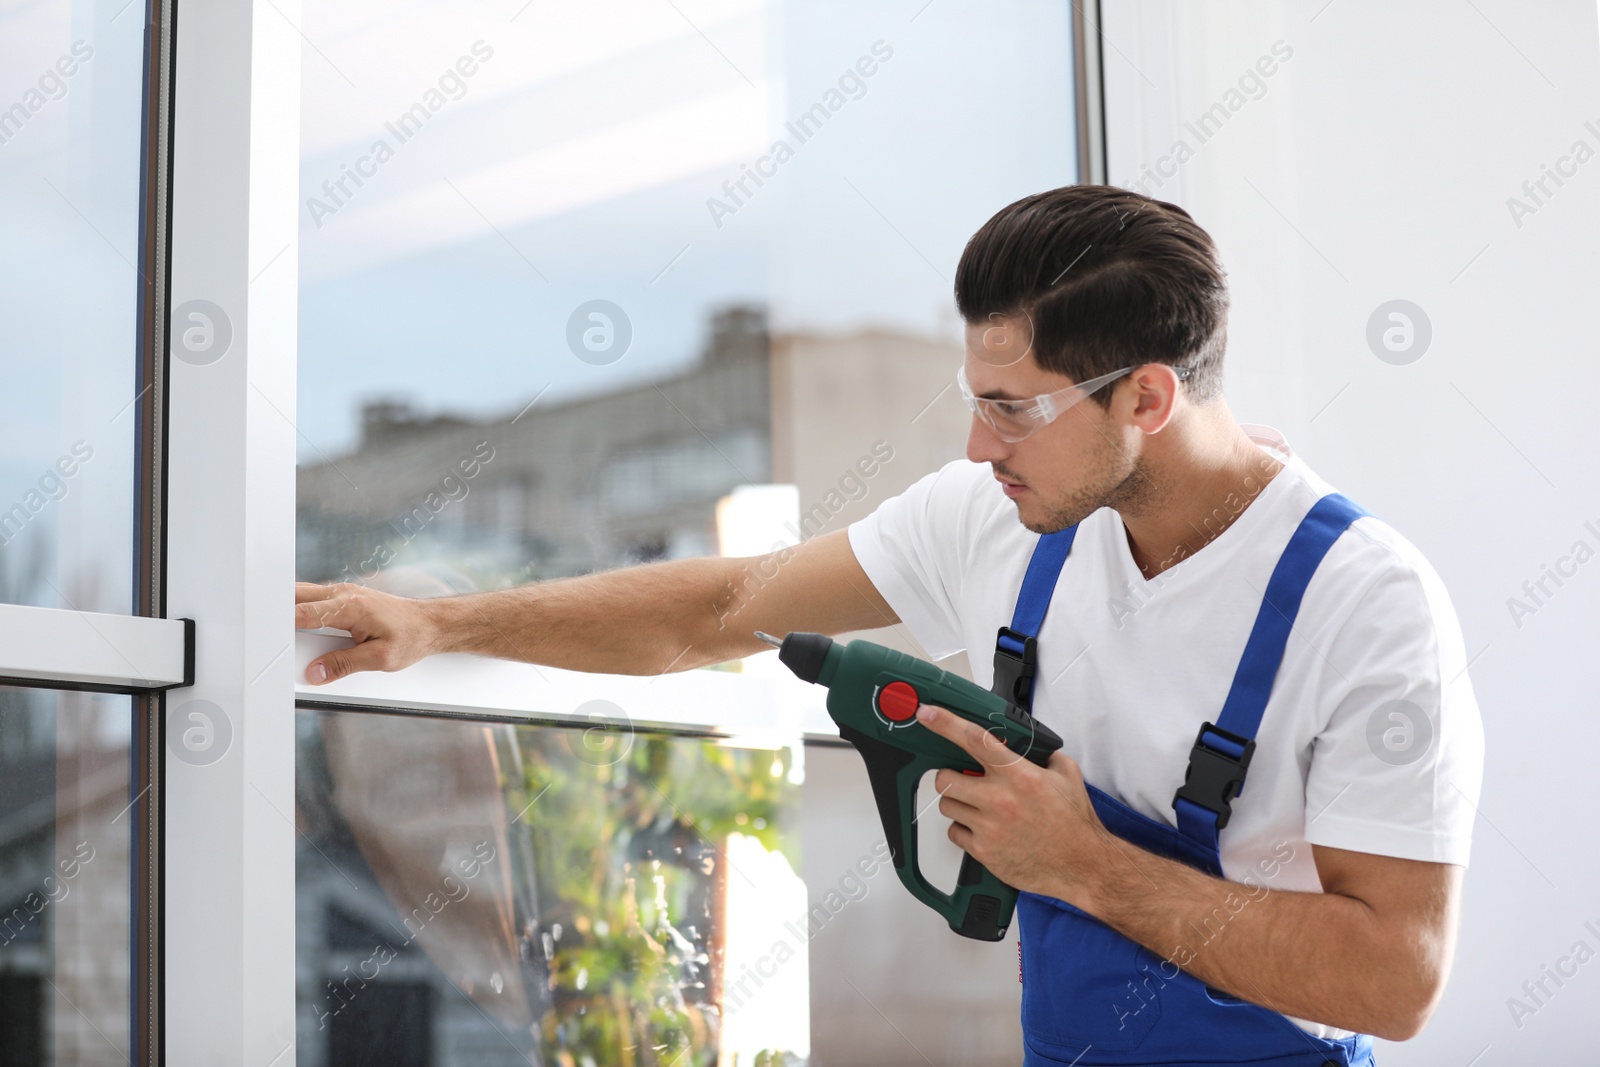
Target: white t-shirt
<point>1129,668</point>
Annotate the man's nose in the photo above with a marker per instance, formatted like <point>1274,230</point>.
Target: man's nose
<point>984,445</point>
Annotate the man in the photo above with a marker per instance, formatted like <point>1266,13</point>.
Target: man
<point>1270,891</point>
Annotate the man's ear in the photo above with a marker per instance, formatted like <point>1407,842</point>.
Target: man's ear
<point>1152,396</point>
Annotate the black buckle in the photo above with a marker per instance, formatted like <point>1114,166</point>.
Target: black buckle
<point>1013,673</point>
<point>1215,778</point>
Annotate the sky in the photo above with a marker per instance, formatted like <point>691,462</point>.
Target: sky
<point>577,160</point>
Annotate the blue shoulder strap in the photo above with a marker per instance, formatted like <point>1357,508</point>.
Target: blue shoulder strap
<point>1222,751</point>
<point>1015,649</point>
<point>1039,584</point>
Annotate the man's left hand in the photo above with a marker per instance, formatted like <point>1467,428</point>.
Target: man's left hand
<point>1032,826</point>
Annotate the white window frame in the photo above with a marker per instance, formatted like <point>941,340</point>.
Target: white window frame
<point>228,992</point>
<point>59,648</point>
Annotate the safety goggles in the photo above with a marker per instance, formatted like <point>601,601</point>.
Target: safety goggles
<point>1016,420</point>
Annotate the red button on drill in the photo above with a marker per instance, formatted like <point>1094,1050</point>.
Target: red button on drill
<point>898,701</point>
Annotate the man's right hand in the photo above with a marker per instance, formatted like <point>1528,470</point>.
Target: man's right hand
<point>391,632</point>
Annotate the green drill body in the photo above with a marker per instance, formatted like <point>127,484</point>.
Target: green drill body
<point>873,694</point>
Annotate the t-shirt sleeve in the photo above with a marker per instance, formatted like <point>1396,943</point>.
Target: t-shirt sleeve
<point>1397,768</point>
<point>911,548</point>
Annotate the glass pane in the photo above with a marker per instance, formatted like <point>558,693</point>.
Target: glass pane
<point>71,92</point>
<point>498,894</point>
<point>574,274</point>
<point>65,878</point>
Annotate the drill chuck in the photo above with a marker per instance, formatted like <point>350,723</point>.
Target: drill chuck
<point>805,654</point>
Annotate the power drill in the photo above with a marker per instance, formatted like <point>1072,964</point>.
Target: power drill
<point>873,696</point>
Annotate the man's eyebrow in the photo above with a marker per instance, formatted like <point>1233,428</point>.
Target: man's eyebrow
<point>999,394</point>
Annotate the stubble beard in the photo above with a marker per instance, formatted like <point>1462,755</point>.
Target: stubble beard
<point>1117,480</point>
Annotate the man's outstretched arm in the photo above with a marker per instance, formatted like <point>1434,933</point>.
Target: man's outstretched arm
<point>648,619</point>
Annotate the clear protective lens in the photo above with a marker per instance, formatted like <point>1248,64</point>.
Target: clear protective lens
<point>1015,420</point>
<point>1012,419</point>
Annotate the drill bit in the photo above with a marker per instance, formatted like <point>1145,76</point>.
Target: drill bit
<point>775,642</point>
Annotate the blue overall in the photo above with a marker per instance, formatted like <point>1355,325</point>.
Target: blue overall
<point>1092,997</point>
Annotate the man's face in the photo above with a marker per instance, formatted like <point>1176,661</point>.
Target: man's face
<point>1064,471</point>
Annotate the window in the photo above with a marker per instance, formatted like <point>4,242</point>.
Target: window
<point>66,877</point>
<point>80,626</point>
<point>573,288</point>
<point>71,85</point>
<point>585,286</point>
<point>514,893</point>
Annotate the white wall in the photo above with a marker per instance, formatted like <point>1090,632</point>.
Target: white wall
<point>1377,165</point>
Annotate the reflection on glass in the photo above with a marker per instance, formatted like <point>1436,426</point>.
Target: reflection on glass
<point>64,878</point>
<point>572,274</point>
<point>71,79</point>
<point>500,894</point>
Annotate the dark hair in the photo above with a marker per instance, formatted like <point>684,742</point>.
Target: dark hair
<point>1109,279</point>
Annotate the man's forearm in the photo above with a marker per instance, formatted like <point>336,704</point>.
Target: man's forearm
<point>1325,957</point>
<point>637,620</point>
<point>647,620</point>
